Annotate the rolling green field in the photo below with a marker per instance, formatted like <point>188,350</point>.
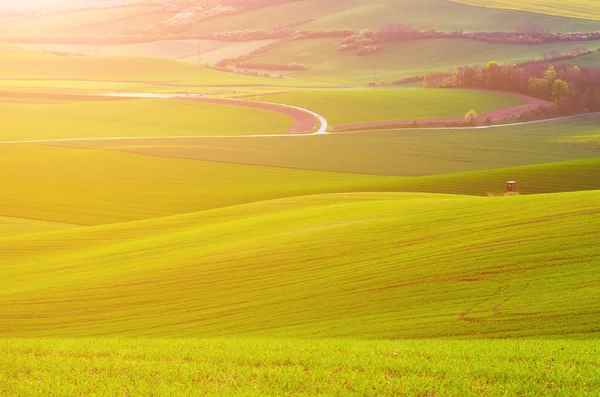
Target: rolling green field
<point>351,106</point>
<point>152,247</point>
<point>137,118</point>
<point>91,187</point>
<point>192,51</point>
<point>30,65</point>
<point>304,267</point>
<point>582,9</point>
<point>403,152</point>
<point>295,367</point>
<point>17,226</point>
<point>108,21</point>
<point>324,61</point>
<point>115,181</point>
<point>355,14</point>
<point>92,193</point>
<point>120,69</point>
<point>588,61</point>
<point>141,19</point>
<point>448,16</point>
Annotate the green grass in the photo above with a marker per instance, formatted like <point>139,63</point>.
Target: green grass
<point>402,152</point>
<point>99,187</point>
<point>583,9</point>
<point>291,367</point>
<point>127,180</point>
<point>448,16</point>
<point>125,118</point>
<point>18,226</point>
<point>588,61</point>
<point>90,187</point>
<point>84,87</point>
<point>124,70</point>
<point>325,62</point>
<point>313,265</point>
<point>354,265</point>
<point>567,176</point>
<point>193,51</point>
<point>158,49</point>
<point>355,14</point>
<point>351,106</point>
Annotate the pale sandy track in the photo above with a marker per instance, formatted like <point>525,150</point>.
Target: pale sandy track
<point>315,120</point>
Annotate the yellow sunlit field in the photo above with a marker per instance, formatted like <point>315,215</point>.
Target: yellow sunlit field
<point>299,198</point>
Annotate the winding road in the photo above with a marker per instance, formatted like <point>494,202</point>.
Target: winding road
<point>306,122</point>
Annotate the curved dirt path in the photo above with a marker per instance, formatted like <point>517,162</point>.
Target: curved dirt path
<point>275,107</point>
<point>496,115</point>
<point>305,121</point>
<point>147,138</point>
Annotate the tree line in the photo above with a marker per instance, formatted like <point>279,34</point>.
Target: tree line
<point>366,42</point>
<point>569,88</point>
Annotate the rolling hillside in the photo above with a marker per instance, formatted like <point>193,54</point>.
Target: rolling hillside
<point>324,61</point>
<point>192,51</point>
<point>353,265</point>
<point>92,187</point>
<point>111,117</point>
<point>150,19</point>
<point>450,16</point>
<point>403,152</point>
<point>342,107</point>
<point>122,69</point>
<point>175,229</point>
<point>582,9</point>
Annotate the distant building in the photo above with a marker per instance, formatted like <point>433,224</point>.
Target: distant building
<point>511,187</point>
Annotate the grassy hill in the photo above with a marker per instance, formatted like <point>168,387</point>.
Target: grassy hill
<point>567,176</point>
<point>589,61</point>
<point>141,118</point>
<point>446,15</point>
<point>141,19</point>
<point>324,61</point>
<point>353,265</point>
<point>25,66</point>
<point>356,14</point>
<point>90,187</point>
<point>109,21</point>
<point>582,9</point>
<point>18,226</point>
<point>101,187</point>
<point>192,51</point>
<point>195,260</point>
<point>403,152</point>
<point>120,69</point>
<point>343,107</point>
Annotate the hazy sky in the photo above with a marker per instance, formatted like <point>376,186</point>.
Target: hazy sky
<point>20,4</point>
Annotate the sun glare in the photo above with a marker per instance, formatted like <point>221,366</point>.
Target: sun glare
<point>37,4</point>
<point>299,198</point>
